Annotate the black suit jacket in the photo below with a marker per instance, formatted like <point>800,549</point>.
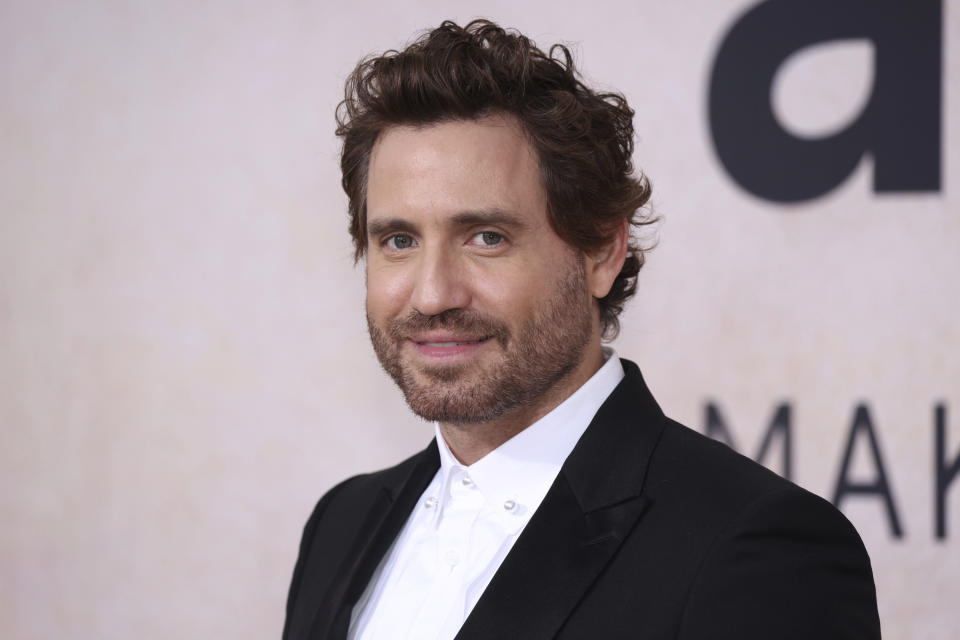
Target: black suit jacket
<point>650,530</point>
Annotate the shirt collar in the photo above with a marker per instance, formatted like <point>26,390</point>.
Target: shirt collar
<point>523,468</point>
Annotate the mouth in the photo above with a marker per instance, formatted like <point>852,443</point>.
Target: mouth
<point>447,347</point>
<point>451,344</point>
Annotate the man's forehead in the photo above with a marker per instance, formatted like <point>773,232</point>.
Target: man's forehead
<point>453,135</point>
<point>455,167</point>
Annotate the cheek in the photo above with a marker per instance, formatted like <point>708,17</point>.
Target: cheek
<point>388,292</point>
<point>512,294</point>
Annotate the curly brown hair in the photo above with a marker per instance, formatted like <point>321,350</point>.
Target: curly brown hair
<point>583,139</point>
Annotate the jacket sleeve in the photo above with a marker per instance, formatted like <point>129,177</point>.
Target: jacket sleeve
<point>790,566</point>
<point>306,545</point>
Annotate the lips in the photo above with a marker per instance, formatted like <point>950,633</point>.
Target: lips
<point>446,338</point>
<point>446,345</point>
<point>450,344</point>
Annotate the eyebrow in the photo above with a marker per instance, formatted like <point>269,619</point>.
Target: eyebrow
<point>492,215</point>
<point>380,227</point>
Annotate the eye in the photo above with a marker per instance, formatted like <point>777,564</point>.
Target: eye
<point>488,239</point>
<point>399,241</point>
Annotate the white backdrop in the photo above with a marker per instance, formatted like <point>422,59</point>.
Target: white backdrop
<point>184,367</point>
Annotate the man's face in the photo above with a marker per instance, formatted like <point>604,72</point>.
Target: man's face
<point>475,306</point>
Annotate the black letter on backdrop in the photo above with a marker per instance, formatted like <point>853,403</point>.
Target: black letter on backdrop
<point>779,425</point>
<point>900,126</point>
<point>944,474</point>
<point>880,486</point>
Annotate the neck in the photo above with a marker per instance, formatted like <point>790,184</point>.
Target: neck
<point>470,442</point>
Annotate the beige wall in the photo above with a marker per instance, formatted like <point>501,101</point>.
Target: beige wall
<point>184,366</point>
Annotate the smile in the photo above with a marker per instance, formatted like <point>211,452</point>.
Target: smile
<point>452,344</point>
<point>447,347</point>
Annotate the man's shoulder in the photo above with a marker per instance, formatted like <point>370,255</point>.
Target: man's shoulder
<point>680,459</point>
<point>723,489</point>
<point>688,457</point>
<point>754,536</point>
<point>340,514</point>
<point>359,489</point>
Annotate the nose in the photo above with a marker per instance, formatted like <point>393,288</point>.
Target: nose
<point>441,284</point>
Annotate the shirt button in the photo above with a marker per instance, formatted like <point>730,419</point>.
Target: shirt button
<point>467,482</point>
<point>430,503</point>
<point>510,505</point>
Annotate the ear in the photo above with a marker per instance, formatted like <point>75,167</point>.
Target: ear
<point>603,265</point>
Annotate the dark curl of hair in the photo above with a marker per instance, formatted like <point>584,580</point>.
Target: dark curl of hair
<point>583,139</point>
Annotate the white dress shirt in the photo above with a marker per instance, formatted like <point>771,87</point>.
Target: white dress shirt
<point>467,521</point>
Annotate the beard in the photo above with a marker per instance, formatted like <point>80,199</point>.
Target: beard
<point>545,350</point>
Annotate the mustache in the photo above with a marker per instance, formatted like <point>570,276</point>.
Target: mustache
<point>460,320</point>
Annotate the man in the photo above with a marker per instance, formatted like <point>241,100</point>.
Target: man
<point>492,196</point>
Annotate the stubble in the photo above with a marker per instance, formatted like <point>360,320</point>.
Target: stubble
<point>547,348</point>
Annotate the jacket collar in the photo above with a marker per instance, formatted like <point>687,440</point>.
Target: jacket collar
<point>400,490</point>
<point>588,512</point>
<point>623,436</point>
<point>591,507</point>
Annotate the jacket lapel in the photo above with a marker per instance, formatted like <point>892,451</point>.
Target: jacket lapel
<point>592,506</point>
<point>387,514</point>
